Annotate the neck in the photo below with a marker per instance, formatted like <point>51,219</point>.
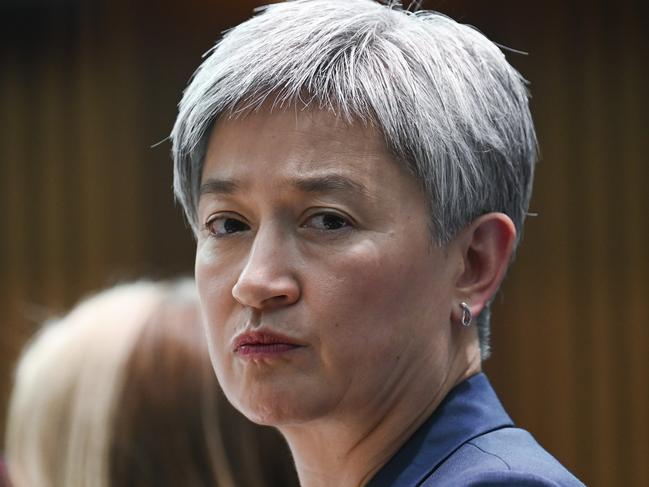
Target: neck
<point>349,449</point>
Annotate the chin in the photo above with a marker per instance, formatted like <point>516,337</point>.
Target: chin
<point>279,407</point>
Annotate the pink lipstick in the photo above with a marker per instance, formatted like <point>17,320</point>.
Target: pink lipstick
<point>263,344</point>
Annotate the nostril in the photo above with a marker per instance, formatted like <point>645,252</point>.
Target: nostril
<point>283,299</point>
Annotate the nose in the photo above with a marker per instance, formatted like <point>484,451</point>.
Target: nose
<point>267,282</point>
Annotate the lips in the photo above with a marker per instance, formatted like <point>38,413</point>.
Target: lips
<point>264,344</point>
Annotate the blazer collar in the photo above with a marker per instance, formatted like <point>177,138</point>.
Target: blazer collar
<point>469,410</point>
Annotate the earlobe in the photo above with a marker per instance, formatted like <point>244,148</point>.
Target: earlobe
<point>486,246</point>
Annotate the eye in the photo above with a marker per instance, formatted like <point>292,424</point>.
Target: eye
<point>222,226</point>
<point>327,221</point>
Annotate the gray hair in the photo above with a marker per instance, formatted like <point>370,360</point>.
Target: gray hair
<point>449,105</point>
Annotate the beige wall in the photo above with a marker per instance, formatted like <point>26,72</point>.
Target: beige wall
<point>85,91</point>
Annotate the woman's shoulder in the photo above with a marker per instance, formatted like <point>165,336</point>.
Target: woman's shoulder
<point>507,456</point>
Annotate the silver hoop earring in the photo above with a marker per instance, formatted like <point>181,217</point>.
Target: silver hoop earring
<point>466,314</point>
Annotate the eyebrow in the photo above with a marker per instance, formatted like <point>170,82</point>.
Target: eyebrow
<point>330,183</point>
<point>218,186</point>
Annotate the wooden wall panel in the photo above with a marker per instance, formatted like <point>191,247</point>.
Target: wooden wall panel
<point>79,180</point>
<point>577,295</point>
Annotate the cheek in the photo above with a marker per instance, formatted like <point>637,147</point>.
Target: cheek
<point>211,293</point>
<point>214,277</point>
<point>215,292</point>
<point>381,296</point>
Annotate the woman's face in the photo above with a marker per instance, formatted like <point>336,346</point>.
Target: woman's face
<point>324,295</point>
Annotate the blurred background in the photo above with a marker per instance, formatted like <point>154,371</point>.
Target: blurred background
<point>88,87</point>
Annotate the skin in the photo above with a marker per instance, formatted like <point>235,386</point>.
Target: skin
<point>312,230</point>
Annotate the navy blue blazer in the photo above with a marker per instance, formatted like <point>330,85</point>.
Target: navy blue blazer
<point>471,441</point>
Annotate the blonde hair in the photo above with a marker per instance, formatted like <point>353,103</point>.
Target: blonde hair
<point>67,383</point>
<point>121,392</point>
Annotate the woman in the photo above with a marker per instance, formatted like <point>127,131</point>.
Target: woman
<point>357,177</point>
<point>120,392</point>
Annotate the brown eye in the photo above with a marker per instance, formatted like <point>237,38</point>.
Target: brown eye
<point>327,221</point>
<point>223,226</point>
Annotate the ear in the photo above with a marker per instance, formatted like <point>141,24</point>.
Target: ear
<point>484,249</point>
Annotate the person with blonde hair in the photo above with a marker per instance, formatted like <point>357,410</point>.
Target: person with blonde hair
<point>120,392</point>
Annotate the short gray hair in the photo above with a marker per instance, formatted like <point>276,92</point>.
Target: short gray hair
<point>449,105</point>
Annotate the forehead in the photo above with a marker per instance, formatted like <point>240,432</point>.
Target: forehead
<point>290,142</point>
